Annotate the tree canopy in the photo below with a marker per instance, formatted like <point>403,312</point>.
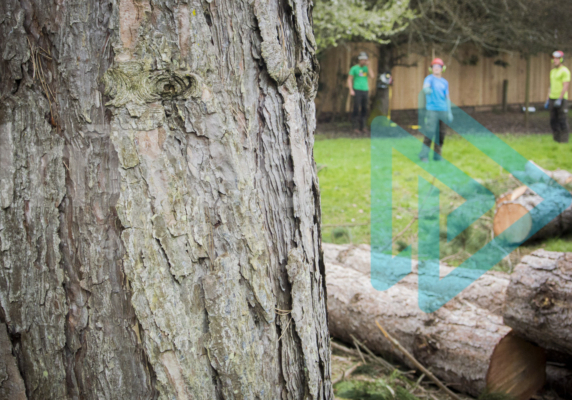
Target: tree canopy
<point>337,21</point>
<point>526,26</point>
<point>506,25</point>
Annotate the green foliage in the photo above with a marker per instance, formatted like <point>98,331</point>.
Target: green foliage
<point>378,390</point>
<point>402,394</point>
<point>366,369</point>
<point>341,236</point>
<point>337,21</point>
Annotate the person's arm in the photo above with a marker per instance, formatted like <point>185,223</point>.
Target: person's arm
<point>427,87</point>
<point>450,113</point>
<point>351,84</point>
<point>565,89</point>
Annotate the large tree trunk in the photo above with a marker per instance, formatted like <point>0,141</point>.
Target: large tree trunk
<point>380,102</point>
<point>159,206</point>
<point>464,343</point>
<point>539,300</point>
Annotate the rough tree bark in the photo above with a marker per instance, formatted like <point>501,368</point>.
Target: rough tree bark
<point>539,300</point>
<point>159,205</point>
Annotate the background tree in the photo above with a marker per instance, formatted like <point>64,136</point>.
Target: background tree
<point>159,203</point>
<point>509,25</point>
<point>338,21</point>
<point>378,21</point>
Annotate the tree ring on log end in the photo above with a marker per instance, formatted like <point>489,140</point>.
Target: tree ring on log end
<point>517,368</point>
<point>509,213</point>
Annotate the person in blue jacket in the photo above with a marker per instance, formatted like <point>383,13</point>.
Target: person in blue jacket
<point>438,109</point>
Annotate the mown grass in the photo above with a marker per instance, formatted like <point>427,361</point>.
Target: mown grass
<point>346,198</point>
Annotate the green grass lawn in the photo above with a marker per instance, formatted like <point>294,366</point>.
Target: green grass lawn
<point>345,187</point>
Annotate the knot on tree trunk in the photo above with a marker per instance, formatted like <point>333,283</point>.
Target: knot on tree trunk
<point>136,83</point>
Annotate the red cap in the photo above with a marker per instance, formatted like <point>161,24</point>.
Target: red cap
<point>438,61</point>
<point>558,54</point>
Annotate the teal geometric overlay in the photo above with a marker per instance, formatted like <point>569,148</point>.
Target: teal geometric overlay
<point>434,292</point>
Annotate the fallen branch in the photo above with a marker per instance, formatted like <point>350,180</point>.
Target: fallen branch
<point>358,350</point>
<point>343,348</point>
<point>418,364</point>
<point>347,373</point>
<point>379,360</point>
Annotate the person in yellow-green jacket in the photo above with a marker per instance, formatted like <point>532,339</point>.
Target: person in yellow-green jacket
<point>558,98</point>
<point>359,90</point>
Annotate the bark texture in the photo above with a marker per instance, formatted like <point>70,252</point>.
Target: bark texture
<point>11,382</point>
<point>539,300</point>
<point>159,204</point>
<point>464,343</point>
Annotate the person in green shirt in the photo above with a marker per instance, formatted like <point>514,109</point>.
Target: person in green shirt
<point>558,98</point>
<point>359,90</point>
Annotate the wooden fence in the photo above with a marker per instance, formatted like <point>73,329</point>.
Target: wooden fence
<point>478,85</point>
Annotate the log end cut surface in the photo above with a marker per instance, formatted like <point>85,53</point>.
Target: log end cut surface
<point>507,214</point>
<point>517,368</point>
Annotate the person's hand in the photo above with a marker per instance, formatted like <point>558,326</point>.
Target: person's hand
<point>547,104</point>
<point>558,103</point>
<point>450,116</point>
<point>427,90</point>
<point>352,92</point>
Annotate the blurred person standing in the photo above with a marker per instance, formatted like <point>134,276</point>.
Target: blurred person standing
<point>359,90</point>
<point>558,98</point>
<point>437,110</point>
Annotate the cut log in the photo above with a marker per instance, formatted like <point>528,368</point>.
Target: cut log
<point>561,176</point>
<point>465,343</point>
<point>538,304</point>
<point>521,203</point>
<point>488,294</point>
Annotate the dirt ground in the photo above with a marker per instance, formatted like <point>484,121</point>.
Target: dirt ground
<point>496,122</point>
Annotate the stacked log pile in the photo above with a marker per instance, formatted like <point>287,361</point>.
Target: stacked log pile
<point>538,307</point>
<point>466,343</point>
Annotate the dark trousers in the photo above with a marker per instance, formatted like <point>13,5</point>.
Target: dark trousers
<point>434,130</point>
<point>559,121</point>
<point>359,115</point>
